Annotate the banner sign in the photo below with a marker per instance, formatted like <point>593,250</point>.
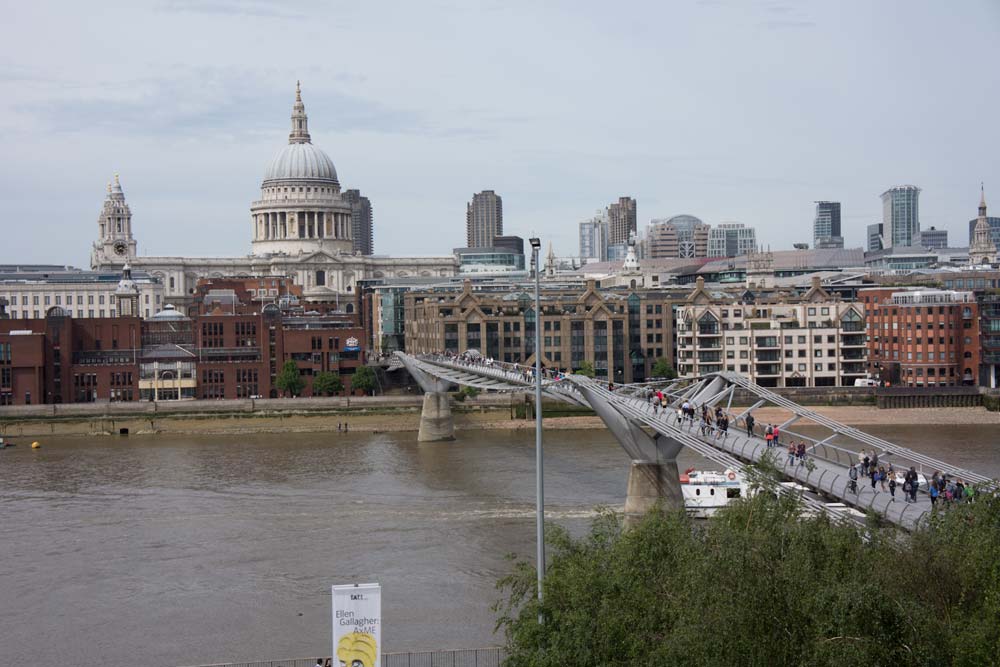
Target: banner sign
<point>352,345</point>
<point>357,625</point>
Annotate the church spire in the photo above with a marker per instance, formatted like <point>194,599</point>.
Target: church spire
<point>982,200</point>
<point>300,122</point>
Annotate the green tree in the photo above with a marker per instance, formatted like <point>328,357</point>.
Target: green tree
<point>663,369</point>
<point>289,380</point>
<point>327,384</point>
<point>364,379</point>
<point>586,369</point>
<point>759,584</point>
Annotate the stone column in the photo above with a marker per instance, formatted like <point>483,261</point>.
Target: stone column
<point>436,423</point>
<point>651,484</point>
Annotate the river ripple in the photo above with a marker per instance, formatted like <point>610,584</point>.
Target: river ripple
<point>169,550</point>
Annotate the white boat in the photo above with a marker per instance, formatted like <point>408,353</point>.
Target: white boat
<point>706,491</point>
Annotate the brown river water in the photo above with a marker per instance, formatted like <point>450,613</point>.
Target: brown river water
<point>183,550</point>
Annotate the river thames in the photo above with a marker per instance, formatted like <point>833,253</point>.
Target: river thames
<point>182,550</point>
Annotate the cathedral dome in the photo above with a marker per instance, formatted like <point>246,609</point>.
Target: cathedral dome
<point>301,162</point>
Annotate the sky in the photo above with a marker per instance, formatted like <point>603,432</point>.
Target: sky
<point>730,110</point>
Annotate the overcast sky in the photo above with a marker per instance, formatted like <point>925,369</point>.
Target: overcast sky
<point>730,110</point>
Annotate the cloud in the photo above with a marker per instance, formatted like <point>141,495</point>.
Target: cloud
<point>780,24</point>
<point>284,9</point>
<point>194,102</point>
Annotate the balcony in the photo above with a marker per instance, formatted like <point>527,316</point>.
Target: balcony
<point>852,355</point>
<point>709,330</point>
<point>709,357</point>
<point>853,368</point>
<point>853,341</point>
<point>767,369</point>
<point>766,341</point>
<point>709,344</point>
<point>768,355</point>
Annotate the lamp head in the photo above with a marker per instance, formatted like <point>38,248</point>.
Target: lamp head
<point>535,243</point>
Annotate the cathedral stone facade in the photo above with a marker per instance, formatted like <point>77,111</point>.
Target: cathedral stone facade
<point>301,227</point>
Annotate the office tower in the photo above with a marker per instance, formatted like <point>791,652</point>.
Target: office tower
<point>594,238</point>
<point>731,239</point>
<point>900,215</point>
<point>483,219</point>
<point>875,237</point>
<point>932,238</point>
<point>362,222</point>
<point>681,236</point>
<point>621,221</point>
<point>826,225</point>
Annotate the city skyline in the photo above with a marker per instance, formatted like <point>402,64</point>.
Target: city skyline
<point>189,131</point>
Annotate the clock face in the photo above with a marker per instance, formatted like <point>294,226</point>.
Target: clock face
<point>120,247</point>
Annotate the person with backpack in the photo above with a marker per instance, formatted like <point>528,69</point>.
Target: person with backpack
<point>769,435</point>
<point>892,487</point>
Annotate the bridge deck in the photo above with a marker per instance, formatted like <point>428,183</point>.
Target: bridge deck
<point>825,470</point>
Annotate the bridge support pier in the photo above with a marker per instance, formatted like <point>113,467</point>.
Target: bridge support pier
<point>436,423</point>
<point>651,484</point>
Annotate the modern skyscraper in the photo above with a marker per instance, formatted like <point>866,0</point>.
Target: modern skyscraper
<point>826,225</point>
<point>875,237</point>
<point>362,222</point>
<point>483,219</point>
<point>900,215</point>
<point>680,236</point>
<point>731,239</point>
<point>621,221</point>
<point>594,238</point>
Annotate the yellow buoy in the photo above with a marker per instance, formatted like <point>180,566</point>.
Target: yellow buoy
<point>36,445</point>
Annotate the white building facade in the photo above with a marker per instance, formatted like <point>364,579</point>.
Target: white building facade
<point>300,227</point>
<point>812,341</point>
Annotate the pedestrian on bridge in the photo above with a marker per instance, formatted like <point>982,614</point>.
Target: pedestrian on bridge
<point>769,435</point>
<point>777,432</point>
<point>913,480</point>
<point>892,487</point>
<point>866,463</point>
<point>852,474</point>
<point>792,453</point>
<point>800,451</point>
<point>750,422</point>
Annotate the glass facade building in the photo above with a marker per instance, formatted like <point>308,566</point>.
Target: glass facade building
<point>826,225</point>
<point>901,214</point>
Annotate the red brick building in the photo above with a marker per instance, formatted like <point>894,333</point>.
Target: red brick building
<point>922,337</point>
<point>171,356</point>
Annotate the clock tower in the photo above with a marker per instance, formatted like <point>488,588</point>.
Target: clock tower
<point>114,244</point>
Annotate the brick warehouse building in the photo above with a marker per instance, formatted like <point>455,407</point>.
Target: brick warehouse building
<point>170,356</point>
<point>922,336</point>
<point>621,332</point>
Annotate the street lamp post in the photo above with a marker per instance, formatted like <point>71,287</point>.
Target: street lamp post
<point>536,246</point>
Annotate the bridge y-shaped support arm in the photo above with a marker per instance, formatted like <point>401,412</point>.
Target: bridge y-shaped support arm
<point>653,477</point>
<point>427,382</point>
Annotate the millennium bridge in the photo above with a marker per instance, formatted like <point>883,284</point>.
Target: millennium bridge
<point>652,436</point>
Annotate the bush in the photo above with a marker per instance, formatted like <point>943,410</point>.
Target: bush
<point>326,383</point>
<point>289,380</point>
<point>759,585</point>
<point>364,379</point>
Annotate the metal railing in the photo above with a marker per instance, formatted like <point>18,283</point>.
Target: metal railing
<point>473,657</point>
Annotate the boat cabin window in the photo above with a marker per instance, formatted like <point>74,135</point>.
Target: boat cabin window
<point>711,491</point>
<point>697,492</point>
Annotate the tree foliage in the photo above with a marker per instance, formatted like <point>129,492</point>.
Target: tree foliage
<point>326,383</point>
<point>289,380</point>
<point>760,585</point>
<point>364,379</point>
<point>586,369</point>
<point>663,369</point>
